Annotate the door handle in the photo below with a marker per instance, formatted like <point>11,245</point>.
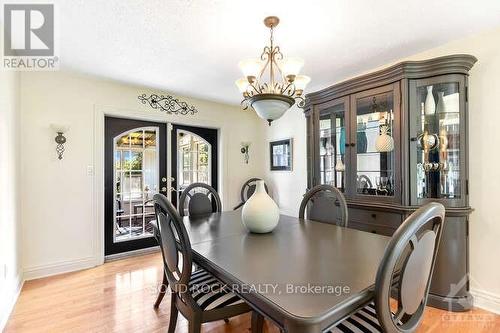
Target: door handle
<point>164,189</point>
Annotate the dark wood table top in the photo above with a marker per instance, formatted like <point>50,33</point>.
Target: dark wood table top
<point>308,274</point>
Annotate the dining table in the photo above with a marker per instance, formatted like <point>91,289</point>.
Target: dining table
<point>305,276</point>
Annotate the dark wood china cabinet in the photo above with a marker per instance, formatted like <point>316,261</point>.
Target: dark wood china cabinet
<point>393,140</point>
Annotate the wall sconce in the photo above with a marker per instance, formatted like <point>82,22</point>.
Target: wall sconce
<point>244,150</point>
<point>60,139</point>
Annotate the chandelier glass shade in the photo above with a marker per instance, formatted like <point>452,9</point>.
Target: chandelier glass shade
<point>271,83</point>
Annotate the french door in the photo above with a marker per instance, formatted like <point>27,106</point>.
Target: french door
<point>194,158</point>
<point>135,169</point>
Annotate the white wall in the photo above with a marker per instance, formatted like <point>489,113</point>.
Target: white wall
<point>58,196</point>
<point>10,221</point>
<point>484,122</point>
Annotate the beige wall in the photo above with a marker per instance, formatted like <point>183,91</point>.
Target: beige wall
<point>59,197</point>
<point>10,221</point>
<point>484,123</point>
<point>289,186</point>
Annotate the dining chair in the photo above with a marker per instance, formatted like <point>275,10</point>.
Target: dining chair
<point>324,203</point>
<point>247,190</point>
<point>410,255</point>
<point>198,295</point>
<point>164,282</point>
<point>199,199</point>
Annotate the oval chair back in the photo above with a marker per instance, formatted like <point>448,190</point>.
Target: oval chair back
<point>406,269</point>
<point>324,203</point>
<point>199,199</point>
<point>248,189</point>
<point>175,247</point>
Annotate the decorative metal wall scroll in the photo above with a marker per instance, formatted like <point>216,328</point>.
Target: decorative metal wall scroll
<point>168,103</point>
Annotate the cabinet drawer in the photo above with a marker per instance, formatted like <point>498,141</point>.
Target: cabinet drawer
<point>373,217</point>
<point>373,228</point>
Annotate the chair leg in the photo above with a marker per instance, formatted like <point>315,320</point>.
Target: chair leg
<point>173,315</point>
<point>226,320</point>
<point>257,322</point>
<point>194,325</point>
<point>163,290</point>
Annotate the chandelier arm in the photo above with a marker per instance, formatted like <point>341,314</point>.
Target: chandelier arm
<point>258,91</point>
<point>286,87</point>
<point>301,102</point>
<point>244,104</point>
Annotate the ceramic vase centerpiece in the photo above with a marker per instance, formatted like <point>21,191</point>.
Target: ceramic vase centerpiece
<point>384,142</point>
<point>430,104</point>
<point>260,213</point>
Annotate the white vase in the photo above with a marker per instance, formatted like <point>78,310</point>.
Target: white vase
<point>260,213</point>
<point>441,105</point>
<point>430,104</point>
<point>340,167</point>
<point>384,142</point>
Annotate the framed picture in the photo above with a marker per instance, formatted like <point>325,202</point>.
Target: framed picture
<point>281,155</point>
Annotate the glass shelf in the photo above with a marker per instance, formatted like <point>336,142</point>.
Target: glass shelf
<point>332,139</point>
<point>438,152</point>
<point>374,164</point>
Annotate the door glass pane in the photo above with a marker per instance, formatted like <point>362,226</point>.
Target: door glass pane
<point>136,168</point>
<point>332,139</point>
<point>194,160</point>
<point>438,141</point>
<point>375,145</point>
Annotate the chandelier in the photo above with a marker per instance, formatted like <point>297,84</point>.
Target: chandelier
<point>272,83</point>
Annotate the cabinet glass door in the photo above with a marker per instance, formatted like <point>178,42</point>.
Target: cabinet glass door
<point>376,150</point>
<point>332,131</point>
<point>437,150</point>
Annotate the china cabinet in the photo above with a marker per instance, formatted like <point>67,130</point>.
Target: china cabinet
<point>393,140</point>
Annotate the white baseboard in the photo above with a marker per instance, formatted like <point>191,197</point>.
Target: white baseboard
<point>66,266</point>
<point>129,254</point>
<point>9,298</point>
<point>486,300</point>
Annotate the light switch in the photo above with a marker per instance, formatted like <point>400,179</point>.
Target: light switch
<point>90,170</point>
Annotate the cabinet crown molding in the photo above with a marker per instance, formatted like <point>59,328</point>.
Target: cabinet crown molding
<point>450,64</point>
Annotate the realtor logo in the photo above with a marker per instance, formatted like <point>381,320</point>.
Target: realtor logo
<point>29,37</point>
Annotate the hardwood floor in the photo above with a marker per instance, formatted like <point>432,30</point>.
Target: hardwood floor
<point>119,296</point>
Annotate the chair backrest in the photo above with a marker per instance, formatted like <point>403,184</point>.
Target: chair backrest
<point>199,199</point>
<point>249,188</point>
<point>175,246</point>
<point>324,203</point>
<point>409,260</point>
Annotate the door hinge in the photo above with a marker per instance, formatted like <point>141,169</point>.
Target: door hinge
<point>467,94</point>
<point>467,187</point>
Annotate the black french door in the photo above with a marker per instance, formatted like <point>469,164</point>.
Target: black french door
<point>135,169</point>
<point>194,158</point>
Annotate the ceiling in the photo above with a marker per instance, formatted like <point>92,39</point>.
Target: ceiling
<point>192,47</point>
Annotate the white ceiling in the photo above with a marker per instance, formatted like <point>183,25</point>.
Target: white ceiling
<point>192,47</point>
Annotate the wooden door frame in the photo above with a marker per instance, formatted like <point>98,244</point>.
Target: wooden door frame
<point>201,132</point>
<point>114,126</point>
<point>96,166</point>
